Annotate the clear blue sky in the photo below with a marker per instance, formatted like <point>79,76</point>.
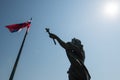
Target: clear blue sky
<point>41,59</point>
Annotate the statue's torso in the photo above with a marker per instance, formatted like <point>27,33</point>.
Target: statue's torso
<point>76,69</point>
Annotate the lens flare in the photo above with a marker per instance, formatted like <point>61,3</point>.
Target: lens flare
<point>111,9</point>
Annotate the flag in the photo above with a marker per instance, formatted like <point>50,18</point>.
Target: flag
<point>17,27</point>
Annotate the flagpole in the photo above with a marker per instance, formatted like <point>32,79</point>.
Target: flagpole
<point>18,57</point>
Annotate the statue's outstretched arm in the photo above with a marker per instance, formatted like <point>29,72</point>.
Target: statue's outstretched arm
<point>61,42</point>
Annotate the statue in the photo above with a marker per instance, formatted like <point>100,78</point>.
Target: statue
<point>76,56</point>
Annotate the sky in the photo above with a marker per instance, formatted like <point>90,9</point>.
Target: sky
<point>94,22</point>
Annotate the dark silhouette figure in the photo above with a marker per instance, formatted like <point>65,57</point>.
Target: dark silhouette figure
<point>76,56</point>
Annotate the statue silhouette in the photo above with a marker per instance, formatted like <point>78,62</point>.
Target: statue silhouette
<point>76,56</point>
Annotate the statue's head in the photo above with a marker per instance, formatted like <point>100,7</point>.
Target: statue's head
<point>77,42</point>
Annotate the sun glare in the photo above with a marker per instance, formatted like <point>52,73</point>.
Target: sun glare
<point>111,9</point>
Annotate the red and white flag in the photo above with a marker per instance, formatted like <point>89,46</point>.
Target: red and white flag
<point>16,27</point>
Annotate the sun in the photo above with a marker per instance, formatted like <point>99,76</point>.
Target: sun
<point>111,9</point>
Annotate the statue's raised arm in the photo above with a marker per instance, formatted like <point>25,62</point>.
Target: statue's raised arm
<point>55,37</point>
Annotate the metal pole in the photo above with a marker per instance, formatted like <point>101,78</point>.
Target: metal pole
<point>18,57</point>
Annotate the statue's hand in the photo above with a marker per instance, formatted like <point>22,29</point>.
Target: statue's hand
<point>52,36</point>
